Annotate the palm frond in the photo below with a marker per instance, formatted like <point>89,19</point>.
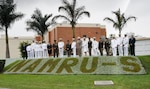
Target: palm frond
<point>120,21</point>
<point>130,18</point>
<point>110,20</point>
<point>86,13</point>
<point>60,16</point>
<point>38,22</point>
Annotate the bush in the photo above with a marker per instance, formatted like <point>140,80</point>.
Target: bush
<point>2,64</point>
<point>21,50</point>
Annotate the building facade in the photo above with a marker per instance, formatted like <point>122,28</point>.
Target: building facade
<point>142,46</point>
<point>14,43</point>
<point>65,32</point>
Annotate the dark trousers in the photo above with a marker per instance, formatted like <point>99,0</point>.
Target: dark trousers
<point>55,52</point>
<point>68,53</point>
<point>132,50</point>
<point>90,49</point>
<point>24,55</point>
<point>79,52</point>
<point>101,51</point>
<point>107,51</point>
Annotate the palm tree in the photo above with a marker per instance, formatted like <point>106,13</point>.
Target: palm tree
<point>73,13</point>
<point>38,23</point>
<point>7,17</point>
<point>120,20</point>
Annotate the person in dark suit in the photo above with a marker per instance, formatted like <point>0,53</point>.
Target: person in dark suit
<point>79,47</point>
<point>100,46</point>
<point>90,46</point>
<point>132,41</point>
<point>68,48</point>
<point>24,52</point>
<point>55,48</point>
<point>107,46</point>
<point>49,48</point>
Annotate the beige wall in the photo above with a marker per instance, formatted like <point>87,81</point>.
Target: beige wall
<point>13,46</point>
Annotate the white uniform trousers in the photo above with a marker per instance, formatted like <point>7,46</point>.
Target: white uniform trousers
<point>120,50</point>
<point>114,51</point>
<point>45,53</point>
<point>32,53</point>
<point>40,54</point>
<point>61,52</point>
<point>125,51</point>
<point>36,54</point>
<point>29,54</point>
<point>74,52</point>
<point>95,52</point>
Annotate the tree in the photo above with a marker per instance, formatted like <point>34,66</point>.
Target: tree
<point>120,20</point>
<point>7,17</point>
<point>73,13</point>
<point>38,23</point>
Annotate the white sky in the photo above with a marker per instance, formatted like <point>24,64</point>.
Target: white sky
<point>99,9</point>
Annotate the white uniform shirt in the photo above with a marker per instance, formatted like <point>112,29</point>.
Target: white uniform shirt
<point>126,42</point>
<point>85,45</point>
<point>113,43</point>
<point>95,44</point>
<point>60,44</point>
<point>28,49</point>
<point>119,41</point>
<point>37,47</point>
<point>73,45</point>
<point>44,46</point>
<point>33,46</point>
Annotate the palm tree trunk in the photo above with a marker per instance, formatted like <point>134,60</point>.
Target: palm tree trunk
<point>7,44</point>
<point>42,37</point>
<point>73,30</point>
<point>119,31</point>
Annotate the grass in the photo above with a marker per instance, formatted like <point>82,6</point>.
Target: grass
<point>77,81</point>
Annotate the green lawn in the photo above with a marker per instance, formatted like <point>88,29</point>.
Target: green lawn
<point>77,81</point>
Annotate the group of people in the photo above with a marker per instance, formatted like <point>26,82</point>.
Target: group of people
<point>82,47</point>
<point>123,44</point>
<point>36,50</point>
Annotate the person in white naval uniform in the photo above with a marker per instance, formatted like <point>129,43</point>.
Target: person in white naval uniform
<point>73,47</point>
<point>29,49</point>
<point>95,47</point>
<point>85,47</point>
<point>44,50</point>
<point>114,46</point>
<point>125,45</point>
<point>119,45</point>
<point>40,52</point>
<point>37,49</point>
<point>33,49</point>
<point>61,47</point>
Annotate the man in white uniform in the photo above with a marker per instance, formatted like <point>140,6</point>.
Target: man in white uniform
<point>61,47</point>
<point>44,50</point>
<point>95,47</point>
<point>85,47</point>
<point>119,45</point>
<point>125,45</point>
<point>40,51</point>
<point>33,49</point>
<point>36,50</point>
<point>29,49</point>
<point>114,46</point>
<point>73,47</point>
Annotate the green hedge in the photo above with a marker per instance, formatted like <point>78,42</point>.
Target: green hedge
<point>83,65</point>
<point>2,64</point>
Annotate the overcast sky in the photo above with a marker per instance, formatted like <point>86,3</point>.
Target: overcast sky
<point>99,9</point>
